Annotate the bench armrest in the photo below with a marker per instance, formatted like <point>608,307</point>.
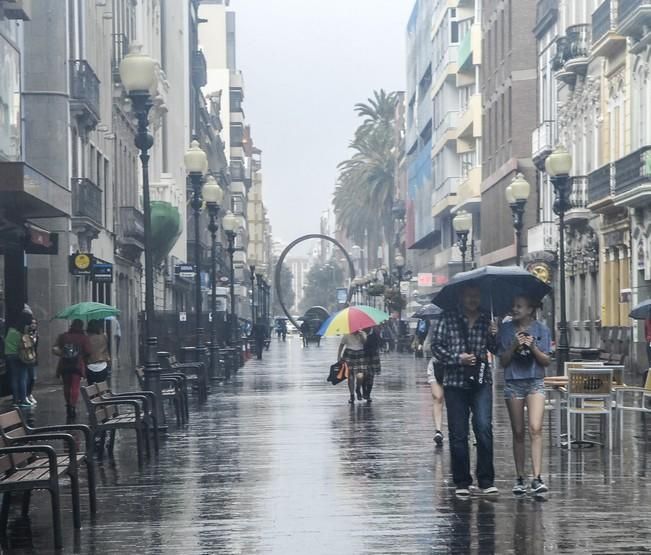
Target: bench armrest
<point>140,396</point>
<point>117,402</point>
<point>64,428</point>
<point>66,438</point>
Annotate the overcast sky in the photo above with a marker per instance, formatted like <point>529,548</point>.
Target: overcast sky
<point>305,64</point>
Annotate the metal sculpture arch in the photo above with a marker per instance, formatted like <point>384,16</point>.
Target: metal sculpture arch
<point>279,265</point>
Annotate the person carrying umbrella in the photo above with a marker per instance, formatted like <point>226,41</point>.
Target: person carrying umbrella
<point>524,344</point>
<point>461,343</point>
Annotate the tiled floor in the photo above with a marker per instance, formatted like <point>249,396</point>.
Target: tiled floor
<point>277,462</point>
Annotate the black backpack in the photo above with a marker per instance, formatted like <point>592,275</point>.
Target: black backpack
<point>70,352</point>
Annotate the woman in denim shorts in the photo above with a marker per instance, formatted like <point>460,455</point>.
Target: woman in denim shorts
<point>524,344</point>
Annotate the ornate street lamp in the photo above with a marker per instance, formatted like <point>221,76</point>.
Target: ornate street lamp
<point>252,278</point>
<point>517,194</point>
<point>229,224</point>
<point>213,195</point>
<point>558,166</point>
<point>196,164</point>
<point>138,76</point>
<point>462,223</point>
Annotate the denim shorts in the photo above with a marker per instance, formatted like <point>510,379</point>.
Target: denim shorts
<point>521,389</point>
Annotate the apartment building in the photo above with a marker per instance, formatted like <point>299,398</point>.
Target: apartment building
<point>508,87</point>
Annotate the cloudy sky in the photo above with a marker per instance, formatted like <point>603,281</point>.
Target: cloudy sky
<point>306,63</point>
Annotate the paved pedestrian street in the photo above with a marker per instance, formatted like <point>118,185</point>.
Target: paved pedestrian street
<point>277,462</point>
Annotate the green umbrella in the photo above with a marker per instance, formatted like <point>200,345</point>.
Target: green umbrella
<point>87,311</point>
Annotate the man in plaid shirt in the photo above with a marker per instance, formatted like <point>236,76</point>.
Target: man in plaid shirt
<point>460,343</point>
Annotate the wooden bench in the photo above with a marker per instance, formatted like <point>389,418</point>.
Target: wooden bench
<point>196,373</point>
<point>104,416</point>
<point>149,409</point>
<point>17,476</point>
<point>172,389</point>
<point>611,358</point>
<point>15,431</point>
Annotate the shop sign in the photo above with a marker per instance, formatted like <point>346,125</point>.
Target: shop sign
<point>81,264</point>
<point>186,271</point>
<point>102,272</point>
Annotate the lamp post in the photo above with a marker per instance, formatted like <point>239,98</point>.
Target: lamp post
<point>261,302</point>
<point>252,277</point>
<point>558,166</point>
<point>229,225</point>
<point>462,223</point>
<point>196,164</point>
<point>138,75</point>
<point>517,194</point>
<point>213,195</point>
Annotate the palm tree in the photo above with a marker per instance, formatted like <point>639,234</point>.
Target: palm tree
<point>367,179</point>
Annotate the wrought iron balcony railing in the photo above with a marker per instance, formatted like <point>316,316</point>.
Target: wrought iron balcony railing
<point>132,224</point>
<point>86,199</point>
<point>601,183</point>
<point>84,85</point>
<point>199,69</point>
<point>633,170</point>
<point>120,50</point>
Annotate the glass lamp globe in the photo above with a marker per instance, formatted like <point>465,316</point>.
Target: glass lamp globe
<point>559,162</point>
<point>520,188</point>
<point>462,222</point>
<point>212,192</point>
<point>229,222</point>
<point>195,158</point>
<point>137,70</point>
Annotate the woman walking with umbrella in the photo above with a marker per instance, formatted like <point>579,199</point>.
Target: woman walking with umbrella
<point>524,344</point>
<point>350,322</point>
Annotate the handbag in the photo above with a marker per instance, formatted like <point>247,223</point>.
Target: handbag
<point>338,373</point>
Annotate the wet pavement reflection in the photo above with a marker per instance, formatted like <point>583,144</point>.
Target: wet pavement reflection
<point>277,462</point>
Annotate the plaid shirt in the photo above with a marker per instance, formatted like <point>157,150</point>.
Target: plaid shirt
<point>448,343</point>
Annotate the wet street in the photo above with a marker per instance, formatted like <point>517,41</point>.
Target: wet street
<point>277,462</point>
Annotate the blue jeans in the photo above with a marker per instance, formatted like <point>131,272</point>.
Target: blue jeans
<point>459,402</point>
<point>17,378</point>
<point>31,379</point>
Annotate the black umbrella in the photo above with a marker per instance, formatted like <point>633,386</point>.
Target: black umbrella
<point>642,311</point>
<point>498,284</point>
<point>427,312</point>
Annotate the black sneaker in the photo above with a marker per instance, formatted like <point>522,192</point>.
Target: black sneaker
<point>438,438</point>
<point>538,487</point>
<point>519,488</point>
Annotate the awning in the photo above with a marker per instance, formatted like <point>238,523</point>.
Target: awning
<point>27,193</point>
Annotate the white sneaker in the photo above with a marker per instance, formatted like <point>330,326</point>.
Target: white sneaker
<point>31,400</point>
<point>463,493</point>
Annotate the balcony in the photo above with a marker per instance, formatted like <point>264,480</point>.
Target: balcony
<point>199,70</point>
<point>546,14</point>
<point>445,196</point>
<point>131,232</point>
<point>237,170</point>
<point>579,41</point>
<point>578,210</point>
<point>633,178</point>
<point>543,139</point>
<point>120,50</point>
<point>447,124</point>
<point>601,187</point>
<point>605,40</point>
<point>86,200</point>
<point>634,21</point>
<point>84,94</point>
<point>543,237</point>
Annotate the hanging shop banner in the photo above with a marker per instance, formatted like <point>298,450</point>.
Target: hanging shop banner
<point>425,280</point>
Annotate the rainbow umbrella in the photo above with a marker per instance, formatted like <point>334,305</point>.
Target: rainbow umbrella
<point>352,319</point>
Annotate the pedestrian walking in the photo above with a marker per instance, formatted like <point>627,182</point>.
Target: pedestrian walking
<point>461,342</point>
<point>435,372</point>
<point>117,337</point>
<point>72,348</point>
<point>351,350</point>
<point>99,360</point>
<point>422,331</point>
<point>20,354</point>
<point>524,344</point>
<point>305,332</point>
<point>372,347</point>
<point>647,335</point>
<point>259,337</point>
<point>32,330</point>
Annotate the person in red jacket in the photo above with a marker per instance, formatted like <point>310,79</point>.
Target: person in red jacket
<point>72,348</point>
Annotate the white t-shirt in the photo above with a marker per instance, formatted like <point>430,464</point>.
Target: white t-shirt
<point>354,342</point>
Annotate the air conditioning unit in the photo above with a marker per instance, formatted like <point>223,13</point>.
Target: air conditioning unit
<point>17,9</point>
<point>100,2</point>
